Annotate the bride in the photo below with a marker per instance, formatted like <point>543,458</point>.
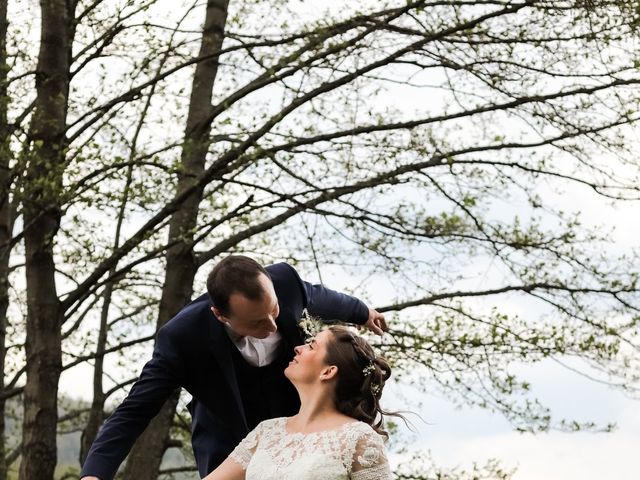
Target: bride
<point>337,433</point>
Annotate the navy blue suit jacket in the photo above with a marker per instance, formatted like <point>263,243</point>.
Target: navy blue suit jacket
<point>193,352</point>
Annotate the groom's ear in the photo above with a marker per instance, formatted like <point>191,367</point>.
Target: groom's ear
<point>329,372</point>
<point>218,314</point>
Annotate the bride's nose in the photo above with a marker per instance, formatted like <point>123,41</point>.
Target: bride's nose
<point>298,349</point>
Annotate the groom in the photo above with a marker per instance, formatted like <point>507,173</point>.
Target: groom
<point>228,349</point>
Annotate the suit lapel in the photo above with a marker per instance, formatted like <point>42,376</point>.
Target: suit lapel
<point>220,347</point>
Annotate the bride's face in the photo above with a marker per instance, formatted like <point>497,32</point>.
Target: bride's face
<point>309,365</point>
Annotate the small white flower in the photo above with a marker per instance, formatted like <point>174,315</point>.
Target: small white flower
<point>375,389</point>
<point>369,369</point>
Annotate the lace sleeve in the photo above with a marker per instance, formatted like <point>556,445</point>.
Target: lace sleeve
<point>246,448</point>
<point>370,459</point>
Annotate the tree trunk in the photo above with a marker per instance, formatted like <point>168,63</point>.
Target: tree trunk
<point>42,214</point>
<point>6,220</point>
<point>146,455</point>
<point>96,413</point>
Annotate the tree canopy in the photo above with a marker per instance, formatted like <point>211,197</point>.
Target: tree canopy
<point>428,149</point>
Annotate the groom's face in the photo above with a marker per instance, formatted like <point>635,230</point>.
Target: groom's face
<point>253,318</point>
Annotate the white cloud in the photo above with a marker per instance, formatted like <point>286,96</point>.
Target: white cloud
<point>557,456</point>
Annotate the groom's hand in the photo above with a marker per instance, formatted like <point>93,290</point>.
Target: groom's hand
<point>89,478</point>
<point>376,322</point>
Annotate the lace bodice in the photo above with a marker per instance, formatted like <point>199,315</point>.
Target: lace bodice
<point>351,451</point>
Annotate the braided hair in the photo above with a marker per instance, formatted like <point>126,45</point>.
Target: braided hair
<point>361,377</point>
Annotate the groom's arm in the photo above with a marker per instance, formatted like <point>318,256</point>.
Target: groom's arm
<point>326,303</point>
<point>329,304</point>
<point>159,377</point>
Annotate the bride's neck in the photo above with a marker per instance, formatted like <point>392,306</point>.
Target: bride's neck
<point>315,405</point>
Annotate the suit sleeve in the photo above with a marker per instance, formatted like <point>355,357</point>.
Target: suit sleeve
<point>323,302</point>
<point>159,377</point>
<point>331,305</point>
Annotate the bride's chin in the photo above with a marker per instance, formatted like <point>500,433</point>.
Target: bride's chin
<point>290,374</point>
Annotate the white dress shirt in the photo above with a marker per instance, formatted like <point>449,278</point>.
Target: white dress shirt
<point>256,351</point>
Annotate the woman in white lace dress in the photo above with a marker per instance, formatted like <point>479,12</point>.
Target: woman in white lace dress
<point>337,433</point>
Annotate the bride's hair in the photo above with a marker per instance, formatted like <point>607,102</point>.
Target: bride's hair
<point>361,377</point>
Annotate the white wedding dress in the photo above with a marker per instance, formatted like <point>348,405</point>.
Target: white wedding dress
<point>351,451</point>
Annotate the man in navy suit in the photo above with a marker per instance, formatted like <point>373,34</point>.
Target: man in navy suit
<point>228,349</point>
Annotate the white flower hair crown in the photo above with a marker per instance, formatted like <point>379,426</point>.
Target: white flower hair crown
<point>309,326</point>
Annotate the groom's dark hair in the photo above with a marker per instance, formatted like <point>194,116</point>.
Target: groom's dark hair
<point>235,274</point>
